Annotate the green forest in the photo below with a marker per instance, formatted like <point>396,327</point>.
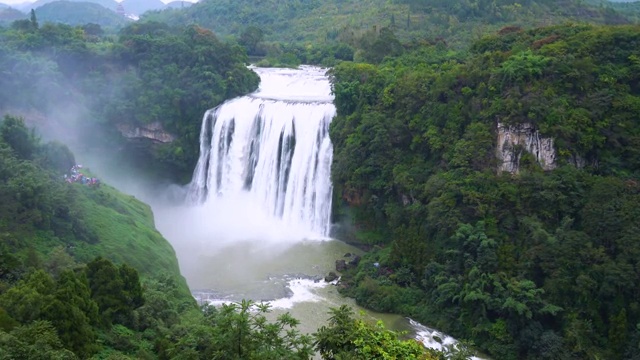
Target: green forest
<point>537,264</point>
<point>542,262</point>
<point>149,73</point>
<point>316,22</point>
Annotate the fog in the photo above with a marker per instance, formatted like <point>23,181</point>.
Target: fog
<point>21,2</point>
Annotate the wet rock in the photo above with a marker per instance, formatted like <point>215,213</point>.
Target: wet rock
<point>341,265</point>
<point>330,277</point>
<point>153,131</point>
<point>355,261</point>
<point>347,255</point>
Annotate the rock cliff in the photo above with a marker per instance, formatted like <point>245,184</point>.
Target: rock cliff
<point>153,131</point>
<point>513,140</point>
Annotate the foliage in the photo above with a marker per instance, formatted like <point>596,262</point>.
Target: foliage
<point>456,23</point>
<point>37,340</point>
<point>348,338</point>
<point>151,75</point>
<point>40,212</point>
<point>241,331</point>
<point>526,265</point>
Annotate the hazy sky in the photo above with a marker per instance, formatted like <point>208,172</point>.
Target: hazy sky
<point>13,2</point>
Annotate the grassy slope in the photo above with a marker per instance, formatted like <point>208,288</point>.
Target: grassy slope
<point>122,229</point>
<point>127,234</point>
<point>126,231</point>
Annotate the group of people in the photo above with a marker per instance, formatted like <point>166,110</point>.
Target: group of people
<point>76,176</point>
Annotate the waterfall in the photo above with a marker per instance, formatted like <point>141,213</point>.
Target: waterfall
<point>271,150</point>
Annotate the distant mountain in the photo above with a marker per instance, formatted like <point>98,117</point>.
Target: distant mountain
<point>109,4</point>
<point>178,5</point>
<point>9,15</point>
<point>3,6</point>
<point>79,13</point>
<point>19,5</point>
<point>137,7</point>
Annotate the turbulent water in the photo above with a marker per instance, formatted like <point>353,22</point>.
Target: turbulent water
<point>271,151</point>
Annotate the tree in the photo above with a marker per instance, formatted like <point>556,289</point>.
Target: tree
<point>241,331</point>
<point>27,300</point>
<point>33,20</point>
<point>107,290</point>
<point>57,157</point>
<point>350,338</point>
<point>17,135</point>
<point>37,340</point>
<point>131,286</point>
<point>250,38</point>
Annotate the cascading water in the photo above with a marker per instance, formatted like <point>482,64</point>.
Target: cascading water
<point>271,151</point>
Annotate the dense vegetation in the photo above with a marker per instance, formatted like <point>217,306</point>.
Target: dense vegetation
<point>316,22</point>
<point>290,33</point>
<point>631,9</point>
<point>538,264</point>
<point>92,84</point>
<point>49,229</point>
<point>60,299</point>
<point>41,214</point>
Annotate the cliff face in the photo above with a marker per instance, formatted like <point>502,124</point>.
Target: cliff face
<point>513,140</point>
<point>153,131</point>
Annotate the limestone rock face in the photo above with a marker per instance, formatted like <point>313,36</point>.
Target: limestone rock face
<point>153,131</point>
<point>513,140</point>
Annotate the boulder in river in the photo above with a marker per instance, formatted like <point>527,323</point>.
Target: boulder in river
<point>355,261</point>
<point>341,265</point>
<point>330,277</point>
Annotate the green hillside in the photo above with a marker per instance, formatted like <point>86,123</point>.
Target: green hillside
<point>40,212</point>
<point>630,9</point>
<point>457,22</point>
<point>542,263</point>
<point>149,74</point>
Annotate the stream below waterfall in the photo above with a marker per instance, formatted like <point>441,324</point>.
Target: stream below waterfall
<point>257,218</point>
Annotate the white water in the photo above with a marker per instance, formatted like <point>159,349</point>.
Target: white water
<point>435,339</point>
<point>271,152</point>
